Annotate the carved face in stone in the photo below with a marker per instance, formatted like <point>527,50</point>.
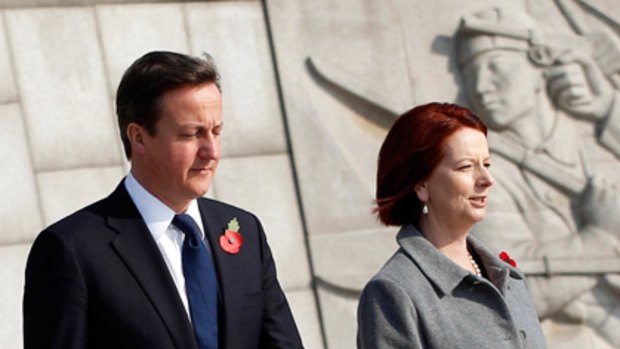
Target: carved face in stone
<point>502,86</point>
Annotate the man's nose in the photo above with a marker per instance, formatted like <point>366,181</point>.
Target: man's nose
<point>209,148</point>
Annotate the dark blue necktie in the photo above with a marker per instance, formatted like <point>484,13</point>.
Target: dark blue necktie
<point>200,283</point>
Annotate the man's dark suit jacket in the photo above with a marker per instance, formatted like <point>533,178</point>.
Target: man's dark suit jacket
<point>96,279</point>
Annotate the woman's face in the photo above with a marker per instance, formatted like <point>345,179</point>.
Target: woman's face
<point>456,191</point>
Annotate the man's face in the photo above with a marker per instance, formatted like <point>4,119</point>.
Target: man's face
<point>502,86</point>
<point>180,159</point>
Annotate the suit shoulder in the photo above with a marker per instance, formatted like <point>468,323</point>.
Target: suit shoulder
<point>399,265</point>
<point>219,206</point>
<point>402,272</point>
<point>395,268</point>
<point>79,225</point>
<point>392,285</point>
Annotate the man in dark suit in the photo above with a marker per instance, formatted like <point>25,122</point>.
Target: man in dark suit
<point>123,273</point>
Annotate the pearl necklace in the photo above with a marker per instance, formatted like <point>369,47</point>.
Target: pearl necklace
<point>474,264</point>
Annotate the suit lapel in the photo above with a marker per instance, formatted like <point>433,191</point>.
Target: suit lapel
<point>214,224</point>
<point>212,231</point>
<point>136,248</point>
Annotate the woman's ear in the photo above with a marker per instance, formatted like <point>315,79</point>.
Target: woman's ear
<point>421,191</point>
<point>136,134</point>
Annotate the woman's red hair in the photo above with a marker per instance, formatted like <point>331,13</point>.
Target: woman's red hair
<point>412,149</point>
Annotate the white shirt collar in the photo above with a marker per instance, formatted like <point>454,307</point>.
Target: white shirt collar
<point>155,213</point>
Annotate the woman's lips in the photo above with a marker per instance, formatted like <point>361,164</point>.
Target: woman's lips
<point>478,201</point>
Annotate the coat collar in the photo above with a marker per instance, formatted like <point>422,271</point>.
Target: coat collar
<point>445,274</point>
<point>136,248</point>
<point>498,271</point>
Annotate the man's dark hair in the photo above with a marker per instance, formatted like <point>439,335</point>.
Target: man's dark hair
<point>139,95</point>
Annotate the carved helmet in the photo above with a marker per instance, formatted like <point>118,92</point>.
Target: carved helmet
<point>500,29</point>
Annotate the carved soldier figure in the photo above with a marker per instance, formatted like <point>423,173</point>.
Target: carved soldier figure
<point>554,117</point>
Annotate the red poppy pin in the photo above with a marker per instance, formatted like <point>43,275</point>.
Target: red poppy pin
<point>231,240</point>
<point>506,258</point>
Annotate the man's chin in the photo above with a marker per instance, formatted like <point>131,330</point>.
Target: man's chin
<point>198,190</point>
<point>200,193</point>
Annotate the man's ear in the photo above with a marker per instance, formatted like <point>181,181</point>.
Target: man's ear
<point>421,191</point>
<point>136,135</point>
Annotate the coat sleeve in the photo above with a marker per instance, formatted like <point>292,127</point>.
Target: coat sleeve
<point>55,297</point>
<point>386,317</point>
<point>278,329</point>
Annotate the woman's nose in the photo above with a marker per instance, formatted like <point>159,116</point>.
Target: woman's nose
<point>486,179</point>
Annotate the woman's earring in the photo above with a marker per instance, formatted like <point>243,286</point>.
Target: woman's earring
<point>425,209</point>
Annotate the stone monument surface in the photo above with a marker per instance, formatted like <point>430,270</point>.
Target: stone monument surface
<point>551,101</point>
<point>545,77</point>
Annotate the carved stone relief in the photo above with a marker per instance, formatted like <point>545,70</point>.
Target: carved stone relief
<point>549,94</point>
<point>550,101</point>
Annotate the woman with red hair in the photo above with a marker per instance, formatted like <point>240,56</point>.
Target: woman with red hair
<point>442,288</point>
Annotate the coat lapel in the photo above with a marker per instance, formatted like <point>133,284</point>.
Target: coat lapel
<point>214,224</point>
<point>136,248</point>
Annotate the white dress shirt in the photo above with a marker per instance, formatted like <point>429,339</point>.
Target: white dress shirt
<point>169,239</point>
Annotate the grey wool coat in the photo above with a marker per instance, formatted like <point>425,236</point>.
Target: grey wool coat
<point>421,299</point>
